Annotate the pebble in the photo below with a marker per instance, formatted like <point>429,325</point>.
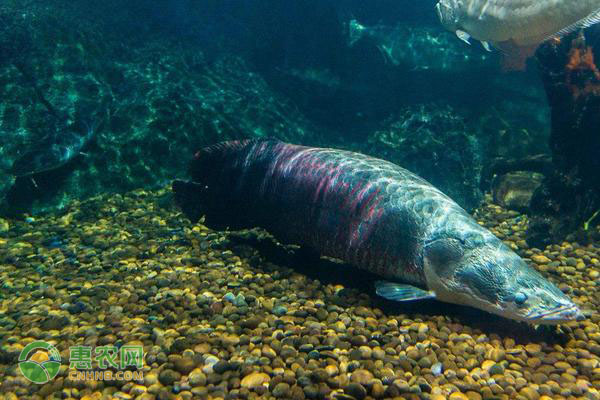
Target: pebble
<point>230,297</point>
<point>184,365</point>
<point>356,390</point>
<point>255,380</point>
<point>221,366</point>
<point>362,376</point>
<point>533,349</point>
<point>496,369</point>
<point>138,390</point>
<point>533,362</point>
<point>437,369</point>
<point>197,378</point>
<point>279,310</point>
<point>540,259</point>
<point>239,300</point>
<point>458,396</point>
<point>167,377</point>
<point>4,225</point>
<point>424,362</point>
<point>281,390</point>
<point>311,391</point>
<point>530,393</point>
<point>332,370</point>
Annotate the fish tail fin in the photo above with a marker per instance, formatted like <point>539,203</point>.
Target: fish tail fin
<point>204,195</point>
<point>214,172</point>
<point>189,197</point>
<point>212,159</point>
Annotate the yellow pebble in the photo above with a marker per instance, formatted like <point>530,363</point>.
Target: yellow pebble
<point>458,396</point>
<point>4,225</point>
<point>533,348</point>
<point>473,395</point>
<point>540,259</point>
<point>487,364</point>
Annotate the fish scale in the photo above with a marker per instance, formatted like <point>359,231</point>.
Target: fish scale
<point>345,205</point>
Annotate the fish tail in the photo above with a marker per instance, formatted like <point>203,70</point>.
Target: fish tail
<point>217,158</point>
<point>216,172</point>
<point>188,196</point>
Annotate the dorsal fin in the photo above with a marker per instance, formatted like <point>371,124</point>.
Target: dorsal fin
<point>586,22</point>
<point>232,145</point>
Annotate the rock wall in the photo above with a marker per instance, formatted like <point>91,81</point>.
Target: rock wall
<point>569,199</point>
<point>160,100</point>
<point>160,79</point>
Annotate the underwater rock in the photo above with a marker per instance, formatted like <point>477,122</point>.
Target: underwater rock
<point>432,140</point>
<point>514,190</point>
<point>540,163</point>
<point>307,84</point>
<point>570,197</point>
<point>165,102</point>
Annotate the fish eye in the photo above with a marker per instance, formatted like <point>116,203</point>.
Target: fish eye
<point>520,298</point>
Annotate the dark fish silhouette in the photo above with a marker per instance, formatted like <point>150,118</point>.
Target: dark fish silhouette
<point>54,152</point>
<point>373,215</point>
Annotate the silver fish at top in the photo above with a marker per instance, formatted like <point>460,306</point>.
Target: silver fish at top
<point>509,24</point>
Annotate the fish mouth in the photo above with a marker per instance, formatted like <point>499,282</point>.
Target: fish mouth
<point>557,315</point>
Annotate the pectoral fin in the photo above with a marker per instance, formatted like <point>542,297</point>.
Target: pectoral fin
<point>401,292</point>
<point>464,36</point>
<point>486,46</point>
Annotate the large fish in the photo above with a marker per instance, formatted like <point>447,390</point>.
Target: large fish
<point>514,24</point>
<point>374,215</point>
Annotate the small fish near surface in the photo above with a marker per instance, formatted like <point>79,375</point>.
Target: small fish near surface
<point>516,27</point>
<point>371,214</point>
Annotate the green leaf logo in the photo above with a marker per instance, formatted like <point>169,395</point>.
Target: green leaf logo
<point>39,362</point>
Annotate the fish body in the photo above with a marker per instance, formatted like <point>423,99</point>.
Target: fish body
<point>371,214</point>
<point>508,24</point>
<point>56,151</point>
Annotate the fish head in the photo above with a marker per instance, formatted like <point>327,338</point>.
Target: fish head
<point>448,12</point>
<point>484,273</point>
